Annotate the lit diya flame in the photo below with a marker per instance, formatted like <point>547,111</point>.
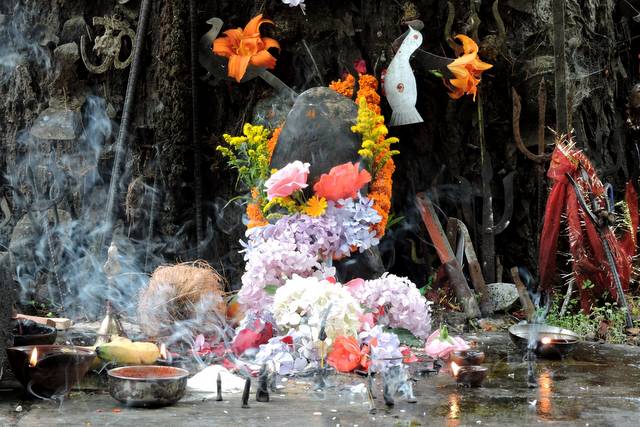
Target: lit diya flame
<point>545,340</point>
<point>33,360</point>
<point>455,368</point>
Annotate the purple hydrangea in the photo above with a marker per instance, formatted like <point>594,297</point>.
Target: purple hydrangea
<point>300,244</point>
<point>404,306</point>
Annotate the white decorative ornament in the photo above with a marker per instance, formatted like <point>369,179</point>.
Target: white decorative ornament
<point>294,3</point>
<point>400,83</point>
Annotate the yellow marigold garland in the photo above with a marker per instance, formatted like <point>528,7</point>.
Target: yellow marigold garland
<point>371,125</point>
<point>254,208</point>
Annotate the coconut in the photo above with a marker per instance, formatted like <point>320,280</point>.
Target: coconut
<point>181,299</point>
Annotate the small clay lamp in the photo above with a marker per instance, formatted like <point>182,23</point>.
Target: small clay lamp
<point>48,370</point>
<point>28,332</point>
<point>469,357</point>
<point>468,376</point>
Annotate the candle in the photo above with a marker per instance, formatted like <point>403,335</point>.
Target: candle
<point>455,368</point>
<point>33,360</point>
<point>164,354</point>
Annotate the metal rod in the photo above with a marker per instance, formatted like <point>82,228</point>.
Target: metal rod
<point>560,67</point>
<point>195,127</point>
<point>125,122</point>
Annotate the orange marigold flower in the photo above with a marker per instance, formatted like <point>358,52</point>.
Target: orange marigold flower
<point>271,145</point>
<point>244,47</point>
<point>254,211</point>
<point>467,69</point>
<point>256,219</point>
<point>344,87</point>
<point>368,88</point>
<point>380,192</point>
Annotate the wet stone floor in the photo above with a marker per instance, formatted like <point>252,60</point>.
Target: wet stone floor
<point>598,385</point>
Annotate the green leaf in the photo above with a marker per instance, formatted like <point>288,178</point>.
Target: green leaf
<point>406,337</point>
<point>271,289</point>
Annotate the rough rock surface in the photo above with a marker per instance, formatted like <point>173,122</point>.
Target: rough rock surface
<point>503,295</point>
<point>7,298</point>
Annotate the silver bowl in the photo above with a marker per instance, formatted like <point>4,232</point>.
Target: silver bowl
<point>552,342</point>
<point>148,386</point>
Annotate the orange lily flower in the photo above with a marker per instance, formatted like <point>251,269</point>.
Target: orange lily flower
<point>244,47</point>
<point>467,70</point>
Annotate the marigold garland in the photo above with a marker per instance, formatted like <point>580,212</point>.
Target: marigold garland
<point>368,89</point>
<point>381,188</point>
<point>254,211</point>
<point>254,208</point>
<point>344,87</point>
<point>273,141</point>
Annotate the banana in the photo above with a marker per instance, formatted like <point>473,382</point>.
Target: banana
<point>125,352</point>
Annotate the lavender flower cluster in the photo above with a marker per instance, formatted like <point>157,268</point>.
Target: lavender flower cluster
<point>299,244</point>
<point>404,306</point>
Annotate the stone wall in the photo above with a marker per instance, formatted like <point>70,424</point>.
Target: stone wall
<point>7,298</point>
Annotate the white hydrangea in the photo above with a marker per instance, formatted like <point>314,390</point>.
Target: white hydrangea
<point>303,301</point>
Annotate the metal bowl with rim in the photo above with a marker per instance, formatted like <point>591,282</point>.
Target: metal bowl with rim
<point>148,385</point>
<point>552,342</point>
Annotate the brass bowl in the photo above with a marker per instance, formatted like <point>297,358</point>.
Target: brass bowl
<point>552,342</point>
<point>148,385</point>
<point>58,369</point>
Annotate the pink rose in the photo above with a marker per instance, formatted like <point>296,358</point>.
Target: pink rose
<point>441,345</point>
<point>287,180</point>
<point>341,182</point>
<point>354,285</point>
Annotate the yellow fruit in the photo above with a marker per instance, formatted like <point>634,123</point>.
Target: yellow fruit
<point>125,352</point>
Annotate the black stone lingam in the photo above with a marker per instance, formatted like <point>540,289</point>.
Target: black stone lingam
<point>318,131</point>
